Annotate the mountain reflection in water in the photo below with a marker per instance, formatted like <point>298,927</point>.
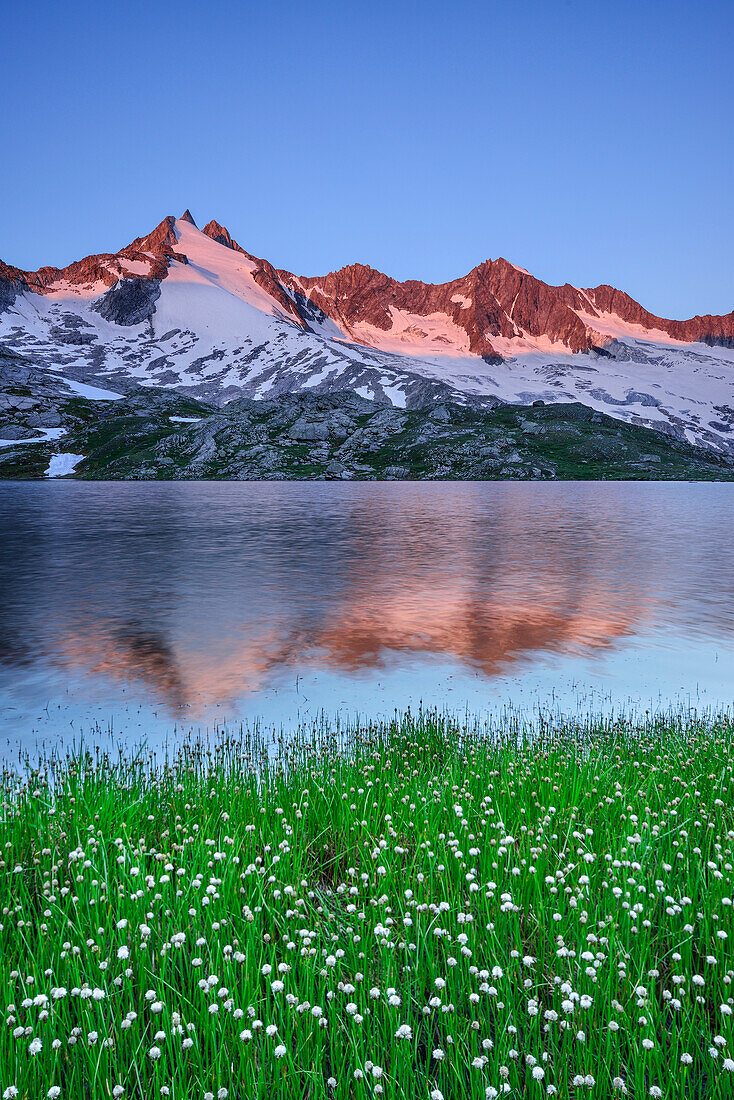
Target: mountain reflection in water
<point>192,595</point>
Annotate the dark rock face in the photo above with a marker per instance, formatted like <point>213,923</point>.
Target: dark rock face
<point>8,291</point>
<point>130,302</point>
<point>16,431</point>
<point>335,468</point>
<point>309,432</point>
<point>72,336</point>
<point>49,418</point>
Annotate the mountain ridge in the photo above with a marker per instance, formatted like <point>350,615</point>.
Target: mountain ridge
<point>193,310</point>
<point>159,246</point>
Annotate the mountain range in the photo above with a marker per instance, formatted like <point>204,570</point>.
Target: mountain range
<point>191,311</point>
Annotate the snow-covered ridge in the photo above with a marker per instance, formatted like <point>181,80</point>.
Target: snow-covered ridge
<point>192,311</point>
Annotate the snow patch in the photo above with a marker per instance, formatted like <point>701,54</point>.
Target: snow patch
<point>63,464</point>
<point>62,288</point>
<point>134,267</point>
<point>393,392</point>
<point>609,324</point>
<point>47,433</point>
<point>525,343</point>
<point>92,393</point>
<point>415,334</point>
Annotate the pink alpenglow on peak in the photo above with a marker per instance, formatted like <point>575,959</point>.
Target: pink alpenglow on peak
<point>191,309</point>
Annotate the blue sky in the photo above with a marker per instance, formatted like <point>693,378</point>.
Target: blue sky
<point>588,142</point>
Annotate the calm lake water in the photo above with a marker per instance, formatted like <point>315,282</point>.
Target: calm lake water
<point>149,609</point>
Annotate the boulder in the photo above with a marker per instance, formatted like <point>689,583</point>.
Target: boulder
<point>17,431</point>
<point>49,418</point>
<point>309,432</point>
<point>318,431</point>
<point>15,403</point>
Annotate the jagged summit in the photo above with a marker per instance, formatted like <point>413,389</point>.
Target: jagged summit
<point>218,233</point>
<point>192,309</point>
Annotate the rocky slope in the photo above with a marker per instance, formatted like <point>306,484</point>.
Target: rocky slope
<point>158,434</point>
<point>193,312</point>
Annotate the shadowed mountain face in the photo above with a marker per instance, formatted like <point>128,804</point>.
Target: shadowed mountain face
<point>206,594</point>
<point>193,311</point>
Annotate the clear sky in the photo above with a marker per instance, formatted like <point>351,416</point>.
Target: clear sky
<point>588,142</point>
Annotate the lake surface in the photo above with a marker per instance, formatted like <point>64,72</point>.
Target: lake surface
<point>142,610</point>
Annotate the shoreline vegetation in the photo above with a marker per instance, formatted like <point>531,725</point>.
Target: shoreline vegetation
<point>413,909</point>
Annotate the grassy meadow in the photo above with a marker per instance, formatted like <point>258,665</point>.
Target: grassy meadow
<point>408,910</point>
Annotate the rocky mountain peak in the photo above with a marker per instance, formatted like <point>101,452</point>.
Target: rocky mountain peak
<point>497,310</point>
<point>160,239</point>
<point>203,315</point>
<point>218,233</point>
